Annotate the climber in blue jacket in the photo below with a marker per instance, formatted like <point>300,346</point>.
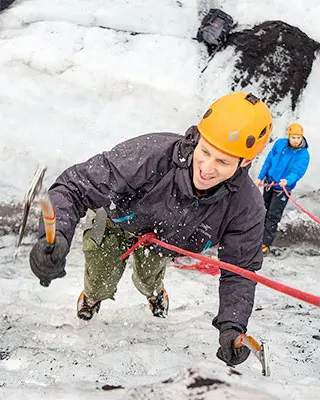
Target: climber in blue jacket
<point>285,164</point>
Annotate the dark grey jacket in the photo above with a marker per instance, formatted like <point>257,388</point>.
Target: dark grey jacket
<point>145,184</point>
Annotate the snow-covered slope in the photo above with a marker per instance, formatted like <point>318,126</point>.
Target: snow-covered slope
<point>47,352</point>
<point>76,79</point>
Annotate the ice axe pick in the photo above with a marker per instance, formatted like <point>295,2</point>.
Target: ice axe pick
<point>48,213</point>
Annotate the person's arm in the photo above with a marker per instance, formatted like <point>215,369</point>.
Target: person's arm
<point>240,246</point>
<point>106,177</point>
<point>298,169</point>
<point>109,176</point>
<point>80,187</point>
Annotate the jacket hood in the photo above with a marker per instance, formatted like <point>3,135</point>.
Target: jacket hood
<point>183,152</point>
<point>304,144</point>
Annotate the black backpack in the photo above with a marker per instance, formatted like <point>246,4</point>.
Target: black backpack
<point>214,29</point>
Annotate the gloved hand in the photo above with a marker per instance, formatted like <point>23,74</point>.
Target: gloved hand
<point>227,352</point>
<point>48,265</point>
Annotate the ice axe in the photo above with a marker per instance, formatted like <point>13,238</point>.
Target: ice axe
<point>260,350</point>
<point>48,213</point>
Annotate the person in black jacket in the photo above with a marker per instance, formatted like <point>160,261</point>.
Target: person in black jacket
<point>193,192</point>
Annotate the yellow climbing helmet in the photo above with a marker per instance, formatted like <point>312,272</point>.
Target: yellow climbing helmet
<point>239,124</point>
<point>295,129</point>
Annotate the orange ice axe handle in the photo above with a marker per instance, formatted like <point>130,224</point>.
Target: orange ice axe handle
<point>49,219</point>
<point>260,350</point>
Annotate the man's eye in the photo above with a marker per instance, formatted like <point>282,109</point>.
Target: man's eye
<point>205,151</point>
<point>222,162</point>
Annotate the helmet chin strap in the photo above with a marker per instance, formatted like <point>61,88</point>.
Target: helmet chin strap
<point>239,163</point>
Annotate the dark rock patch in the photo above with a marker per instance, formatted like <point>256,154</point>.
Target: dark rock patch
<point>111,387</point>
<point>200,382</point>
<point>297,233</point>
<point>276,56</point>
<point>5,4</point>
<point>11,216</point>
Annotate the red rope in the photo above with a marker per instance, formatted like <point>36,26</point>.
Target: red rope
<point>294,202</point>
<point>200,266</point>
<point>280,287</point>
<point>301,208</point>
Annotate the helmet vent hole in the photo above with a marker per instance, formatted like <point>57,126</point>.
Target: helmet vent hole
<point>208,112</point>
<point>262,133</point>
<point>250,141</point>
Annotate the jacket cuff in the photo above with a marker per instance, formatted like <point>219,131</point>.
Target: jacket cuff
<point>228,325</point>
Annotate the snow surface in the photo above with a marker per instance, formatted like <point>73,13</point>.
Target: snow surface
<point>75,81</point>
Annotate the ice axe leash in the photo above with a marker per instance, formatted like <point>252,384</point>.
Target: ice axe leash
<point>48,213</point>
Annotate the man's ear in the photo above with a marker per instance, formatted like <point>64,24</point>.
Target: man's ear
<point>245,163</point>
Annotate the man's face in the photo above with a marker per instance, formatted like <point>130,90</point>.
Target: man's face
<point>295,140</point>
<point>211,166</point>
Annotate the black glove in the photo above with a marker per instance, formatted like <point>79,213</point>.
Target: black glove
<point>227,352</point>
<point>48,263</point>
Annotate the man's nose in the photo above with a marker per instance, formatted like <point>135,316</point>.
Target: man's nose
<point>208,166</point>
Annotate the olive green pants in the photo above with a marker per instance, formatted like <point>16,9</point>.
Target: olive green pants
<point>104,267</point>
